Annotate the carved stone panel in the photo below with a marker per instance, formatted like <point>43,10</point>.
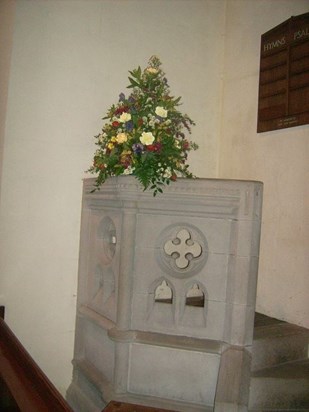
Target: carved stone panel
<point>102,264</point>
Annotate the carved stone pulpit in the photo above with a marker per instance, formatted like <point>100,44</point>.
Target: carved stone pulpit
<point>166,295</point>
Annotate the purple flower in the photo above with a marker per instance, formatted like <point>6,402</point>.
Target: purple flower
<point>133,110</point>
<point>122,97</point>
<point>137,148</point>
<point>129,125</point>
<point>131,99</point>
<point>160,118</point>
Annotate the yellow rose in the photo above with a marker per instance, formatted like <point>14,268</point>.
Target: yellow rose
<point>121,138</point>
<point>152,70</point>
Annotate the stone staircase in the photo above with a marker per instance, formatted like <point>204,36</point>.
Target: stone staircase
<point>280,367</point>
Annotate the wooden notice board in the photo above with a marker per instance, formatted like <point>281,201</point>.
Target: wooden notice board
<point>284,75</point>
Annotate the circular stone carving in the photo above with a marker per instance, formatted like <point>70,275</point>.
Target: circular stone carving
<point>181,250</point>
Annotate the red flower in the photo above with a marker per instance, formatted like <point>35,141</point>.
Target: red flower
<point>173,177</point>
<point>100,166</point>
<point>156,147</point>
<point>121,109</point>
<point>185,145</point>
<point>115,124</point>
<point>151,148</point>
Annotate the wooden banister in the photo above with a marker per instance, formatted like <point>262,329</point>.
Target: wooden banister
<point>23,381</point>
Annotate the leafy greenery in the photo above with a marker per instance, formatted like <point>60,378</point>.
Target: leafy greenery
<point>144,134</point>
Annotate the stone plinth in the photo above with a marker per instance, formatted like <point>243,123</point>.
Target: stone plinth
<point>166,295</point>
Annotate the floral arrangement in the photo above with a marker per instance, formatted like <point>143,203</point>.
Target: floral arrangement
<point>144,134</point>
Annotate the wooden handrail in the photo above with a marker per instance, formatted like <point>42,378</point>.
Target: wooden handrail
<point>30,388</point>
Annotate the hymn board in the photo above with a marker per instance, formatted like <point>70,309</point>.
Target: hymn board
<point>284,75</point>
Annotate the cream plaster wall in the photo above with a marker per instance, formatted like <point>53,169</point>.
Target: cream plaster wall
<point>7,13</point>
<point>70,60</point>
<point>278,158</point>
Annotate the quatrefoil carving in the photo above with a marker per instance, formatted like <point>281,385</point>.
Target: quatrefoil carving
<point>183,249</point>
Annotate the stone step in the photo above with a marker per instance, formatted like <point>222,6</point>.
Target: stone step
<point>280,367</point>
<point>276,342</point>
<point>281,387</point>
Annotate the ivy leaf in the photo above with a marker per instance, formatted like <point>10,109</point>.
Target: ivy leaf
<point>133,83</point>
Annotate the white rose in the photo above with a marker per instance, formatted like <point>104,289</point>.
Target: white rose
<point>168,172</point>
<point>147,138</point>
<point>160,111</point>
<point>125,117</point>
<point>128,171</point>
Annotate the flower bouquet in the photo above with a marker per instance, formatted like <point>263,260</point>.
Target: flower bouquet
<point>144,134</point>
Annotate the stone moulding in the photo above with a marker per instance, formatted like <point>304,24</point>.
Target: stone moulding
<point>166,294</point>
<point>172,341</point>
